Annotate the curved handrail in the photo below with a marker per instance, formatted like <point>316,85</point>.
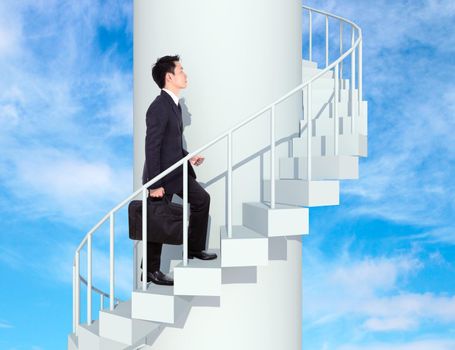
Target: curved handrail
<point>357,44</point>
<point>239,125</point>
<point>99,291</point>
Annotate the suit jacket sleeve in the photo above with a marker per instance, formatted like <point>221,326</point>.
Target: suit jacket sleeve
<point>156,121</point>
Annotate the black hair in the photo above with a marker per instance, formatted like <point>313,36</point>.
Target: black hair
<point>163,65</point>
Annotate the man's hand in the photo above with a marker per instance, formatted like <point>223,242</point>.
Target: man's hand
<point>158,192</point>
<point>197,160</point>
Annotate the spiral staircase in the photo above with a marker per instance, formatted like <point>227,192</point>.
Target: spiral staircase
<point>332,137</point>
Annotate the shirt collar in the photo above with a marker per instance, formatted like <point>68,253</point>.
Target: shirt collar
<point>174,96</point>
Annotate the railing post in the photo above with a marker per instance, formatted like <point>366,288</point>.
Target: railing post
<point>135,264</point>
<point>335,112</point>
<point>89,279</point>
<point>111,262</point>
<point>341,52</point>
<point>310,36</point>
<point>101,301</point>
<point>272,158</point>
<point>353,118</point>
<point>185,213</point>
<point>74,298</point>
<point>326,41</point>
<point>78,290</point>
<point>309,132</point>
<point>360,77</point>
<point>229,184</point>
<point>144,239</point>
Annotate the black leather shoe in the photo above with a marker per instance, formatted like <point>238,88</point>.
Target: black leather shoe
<point>201,255</point>
<point>158,277</point>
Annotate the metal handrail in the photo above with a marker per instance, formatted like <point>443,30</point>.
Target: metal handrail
<point>99,291</point>
<point>336,65</point>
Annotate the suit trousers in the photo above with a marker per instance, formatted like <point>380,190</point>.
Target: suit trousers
<point>199,201</point>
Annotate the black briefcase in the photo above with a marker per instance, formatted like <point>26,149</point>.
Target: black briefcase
<point>164,221</point>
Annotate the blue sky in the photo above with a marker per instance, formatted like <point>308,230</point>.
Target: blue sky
<point>377,270</point>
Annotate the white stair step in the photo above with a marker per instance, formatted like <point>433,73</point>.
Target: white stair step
<point>323,125</point>
<point>311,64</point>
<point>327,83</point>
<point>322,168</point>
<point>345,110</point>
<point>305,193</point>
<point>88,336</point>
<point>283,220</point>
<point>354,145</point>
<point>109,344</point>
<point>299,146</point>
<point>72,342</point>
<point>323,100</point>
<point>158,303</point>
<point>350,145</point>
<point>245,248</point>
<point>89,339</point>
<point>327,94</point>
<point>118,325</point>
<point>199,277</point>
<point>310,72</point>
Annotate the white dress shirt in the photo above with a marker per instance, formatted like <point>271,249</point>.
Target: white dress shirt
<point>174,96</point>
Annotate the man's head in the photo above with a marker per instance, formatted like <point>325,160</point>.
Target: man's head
<point>168,73</point>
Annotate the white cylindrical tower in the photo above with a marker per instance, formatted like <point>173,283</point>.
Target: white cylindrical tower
<point>239,56</point>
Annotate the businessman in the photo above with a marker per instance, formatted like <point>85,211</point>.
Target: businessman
<point>163,147</point>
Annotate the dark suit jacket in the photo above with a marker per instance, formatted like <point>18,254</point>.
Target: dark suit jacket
<point>163,144</point>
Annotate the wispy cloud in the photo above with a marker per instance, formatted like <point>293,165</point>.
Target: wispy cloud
<point>365,295</point>
<point>63,114</point>
<point>433,344</point>
<point>4,324</point>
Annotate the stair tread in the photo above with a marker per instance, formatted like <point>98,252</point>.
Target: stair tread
<point>278,206</point>
<point>153,288</point>
<point>197,263</point>
<point>332,157</point>
<point>240,232</point>
<point>300,180</point>
<point>92,328</point>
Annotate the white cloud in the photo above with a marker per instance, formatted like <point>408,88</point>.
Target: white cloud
<point>390,324</point>
<point>4,324</point>
<point>369,294</point>
<point>430,344</point>
<point>63,105</point>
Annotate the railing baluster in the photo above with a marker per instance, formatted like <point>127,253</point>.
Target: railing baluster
<point>353,118</point>
<point>229,183</point>
<point>74,298</point>
<point>310,36</point>
<point>272,158</point>
<point>111,262</point>
<point>360,77</point>
<point>101,302</point>
<point>335,112</point>
<point>341,53</point>
<point>326,41</point>
<point>89,280</point>
<point>144,239</point>
<point>309,132</point>
<point>135,264</point>
<point>185,213</point>
<point>78,290</point>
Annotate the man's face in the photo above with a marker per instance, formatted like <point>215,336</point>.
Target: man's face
<point>178,79</point>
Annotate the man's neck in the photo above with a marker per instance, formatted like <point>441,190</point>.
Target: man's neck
<point>174,90</point>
